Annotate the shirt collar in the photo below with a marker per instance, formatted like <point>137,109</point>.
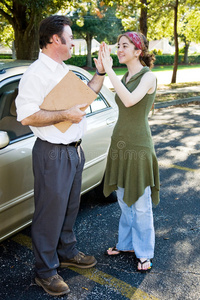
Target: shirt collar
<point>49,62</point>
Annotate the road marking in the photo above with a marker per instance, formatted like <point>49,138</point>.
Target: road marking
<point>23,240</point>
<point>178,167</point>
<point>117,285</point>
<point>184,168</point>
<point>97,276</point>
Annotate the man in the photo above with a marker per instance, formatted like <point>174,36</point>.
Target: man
<point>58,158</point>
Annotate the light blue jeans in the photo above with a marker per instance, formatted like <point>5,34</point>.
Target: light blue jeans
<point>136,228</point>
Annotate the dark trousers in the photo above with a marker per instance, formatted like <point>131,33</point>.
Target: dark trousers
<point>57,186</point>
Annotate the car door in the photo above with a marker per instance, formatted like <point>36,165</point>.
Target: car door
<point>16,183</point>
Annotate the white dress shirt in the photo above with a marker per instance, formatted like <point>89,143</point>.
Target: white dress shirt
<point>38,80</point>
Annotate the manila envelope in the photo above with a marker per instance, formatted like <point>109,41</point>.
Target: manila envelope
<point>70,91</point>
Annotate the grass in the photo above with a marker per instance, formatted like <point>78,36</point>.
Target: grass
<point>175,96</point>
<point>170,68</point>
<point>177,85</point>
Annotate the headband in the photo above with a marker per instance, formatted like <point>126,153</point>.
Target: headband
<point>137,39</point>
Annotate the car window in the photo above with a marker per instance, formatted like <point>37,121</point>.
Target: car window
<point>99,103</point>
<point>8,115</point>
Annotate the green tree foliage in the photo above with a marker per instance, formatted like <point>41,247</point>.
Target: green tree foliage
<point>189,26</point>
<point>99,23</point>
<point>7,34</point>
<point>134,14</point>
<point>178,20</point>
<point>129,13</point>
<point>24,16</point>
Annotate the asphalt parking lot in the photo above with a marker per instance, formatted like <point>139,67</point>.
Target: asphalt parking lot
<point>176,267</point>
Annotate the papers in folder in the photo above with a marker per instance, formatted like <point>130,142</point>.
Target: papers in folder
<point>70,91</point>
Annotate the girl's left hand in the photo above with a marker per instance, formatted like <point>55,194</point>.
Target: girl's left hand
<point>98,62</point>
<point>106,58</point>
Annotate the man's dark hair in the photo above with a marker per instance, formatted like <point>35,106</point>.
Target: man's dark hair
<point>50,26</point>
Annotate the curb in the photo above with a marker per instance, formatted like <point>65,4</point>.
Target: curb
<point>176,102</point>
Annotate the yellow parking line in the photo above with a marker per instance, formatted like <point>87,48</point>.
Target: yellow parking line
<point>118,285</point>
<point>178,167</point>
<point>184,168</point>
<point>23,240</point>
<point>97,276</point>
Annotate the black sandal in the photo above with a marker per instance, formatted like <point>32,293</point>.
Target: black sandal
<point>143,262</point>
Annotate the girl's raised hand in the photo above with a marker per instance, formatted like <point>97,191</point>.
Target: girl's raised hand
<point>106,58</point>
<point>98,62</point>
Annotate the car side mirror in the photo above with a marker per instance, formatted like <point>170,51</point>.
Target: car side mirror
<point>4,139</point>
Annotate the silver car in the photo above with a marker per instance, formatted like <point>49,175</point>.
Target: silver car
<point>16,142</point>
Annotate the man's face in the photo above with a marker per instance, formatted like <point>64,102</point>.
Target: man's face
<point>66,43</point>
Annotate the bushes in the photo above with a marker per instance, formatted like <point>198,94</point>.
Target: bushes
<point>157,52</point>
<point>77,60</point>
<point>167,59</point>
<point>194,59</point>
<point>80,60</point>
<point>5,56</point>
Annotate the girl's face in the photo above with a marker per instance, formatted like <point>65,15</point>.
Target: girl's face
<point>126,51</point>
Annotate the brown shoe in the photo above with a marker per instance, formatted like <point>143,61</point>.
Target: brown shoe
<point>81,261</point>
<point>53,285</point>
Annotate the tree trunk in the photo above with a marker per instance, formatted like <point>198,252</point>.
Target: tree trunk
<point>26,44</point>
<point>176,43</point>
<point>26,31</point>
<point>143,17</point>
<point>187,44</point>
<point>89,50</point>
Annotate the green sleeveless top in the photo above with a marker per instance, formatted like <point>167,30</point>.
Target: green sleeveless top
<point>132,162</point>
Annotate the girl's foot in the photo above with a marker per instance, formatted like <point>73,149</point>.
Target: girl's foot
<point>115,251</point>
<point>144,264</point>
